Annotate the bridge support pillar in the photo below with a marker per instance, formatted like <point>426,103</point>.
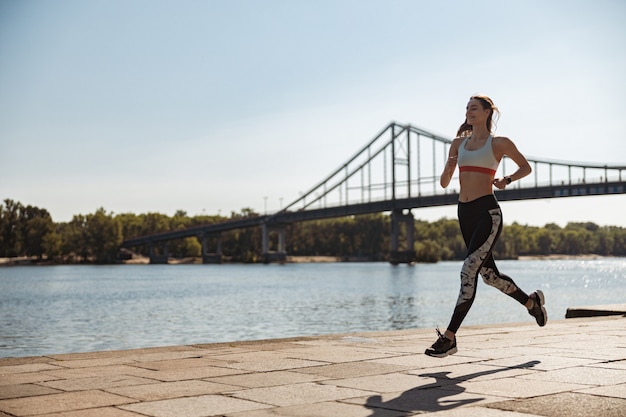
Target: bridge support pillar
<point>398,255</point>
<point>278,255</point>
<point>161,257</point>
<point>211,257</point>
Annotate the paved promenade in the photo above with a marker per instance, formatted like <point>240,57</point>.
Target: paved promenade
<point>573,367</point>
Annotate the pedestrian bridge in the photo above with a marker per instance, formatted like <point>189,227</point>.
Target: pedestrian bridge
<point>396,172</point>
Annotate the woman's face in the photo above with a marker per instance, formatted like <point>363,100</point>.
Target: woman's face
<point>475,114</point>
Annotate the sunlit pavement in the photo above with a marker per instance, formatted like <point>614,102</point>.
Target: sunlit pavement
<point>573,367</point>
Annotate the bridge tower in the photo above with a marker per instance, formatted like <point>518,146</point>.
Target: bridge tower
<point>211,257</point>
<point>398,255</point>
<point>280,254</point>
<point>160,258</point>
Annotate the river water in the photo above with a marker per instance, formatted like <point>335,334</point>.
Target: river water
<point>62,309</point>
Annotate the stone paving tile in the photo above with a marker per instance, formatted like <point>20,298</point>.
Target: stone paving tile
<point>508,351</point>
<point>260,345</point>
<point>610,365</point>
<point>352,369</point>
<point>264,346</point>
<point>26,368</point>
<point>201,406</point>
<point>384,344</point>
<point>546,363</point>
<point>217,350</point>
<point>96,371</point>
<point>617,391</point>
<point>333,354</point>
<point>55,403</point>
<point>88,359</point>
<point>384,337</point>
<point>25,378</point>
<point>596,353</point>
<point>406,335</point>
<point>597,356</point>
<point>266,379</point>
<point>419,401</point>
<point>305,393</point>
<point>385,383</point>
<point>112,353</point>
<point>128,353</point>
<point>94,362</point>
<point>493,343</point>
<point>191,351</point>
<point>581,375</point>
<point>325,409</point>
<point>96,382</point>
<point>566,404</point>
<point>476,372</point>
<point>479,411</point>
<point>266,361</point>
<point>391,350</point>
<point>191,373</point>
<point>421,361</point>
<point>94,412</point>
<point>166,365</point>
<point>24,390</point>
<point>517,387</point>
<point>167,390</point>
<point>26,360</point>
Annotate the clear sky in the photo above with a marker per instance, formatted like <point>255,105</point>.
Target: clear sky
<point>211,106</point>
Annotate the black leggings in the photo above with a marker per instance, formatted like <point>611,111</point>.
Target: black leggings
<point>481,224</point>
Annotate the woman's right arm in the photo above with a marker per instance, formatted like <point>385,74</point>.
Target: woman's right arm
<point>448,170</point>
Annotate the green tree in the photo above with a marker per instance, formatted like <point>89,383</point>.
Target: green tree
<point>103,236</point>
<point>572,242</point>
<point>10,236</point>
<point>53,244</point>
<point>520,238</point>
<point>373,235</point>
<point>131,224</point>
<point>74,239</point>
<point>37,231</point>
<point>428,251</point>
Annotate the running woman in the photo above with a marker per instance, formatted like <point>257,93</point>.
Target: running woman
<point>478,154</point>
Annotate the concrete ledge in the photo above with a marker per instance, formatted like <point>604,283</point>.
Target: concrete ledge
<point>596,311</point>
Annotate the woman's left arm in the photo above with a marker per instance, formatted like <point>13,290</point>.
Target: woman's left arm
<point>506,147</point>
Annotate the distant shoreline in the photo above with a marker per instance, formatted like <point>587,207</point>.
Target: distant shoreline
<point>557,257</point>
<point>144,260</point>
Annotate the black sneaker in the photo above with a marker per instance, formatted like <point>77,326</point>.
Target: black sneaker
<point>538,311</point>
<point>442,347</point>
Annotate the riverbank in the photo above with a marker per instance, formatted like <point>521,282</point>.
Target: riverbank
<point>144,260</point>
<point>568,368</point>
<point>558,257</point>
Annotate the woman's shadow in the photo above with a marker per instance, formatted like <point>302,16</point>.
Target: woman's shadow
<point>424,398</point>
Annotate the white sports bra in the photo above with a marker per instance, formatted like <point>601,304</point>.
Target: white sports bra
<point>479,160</point>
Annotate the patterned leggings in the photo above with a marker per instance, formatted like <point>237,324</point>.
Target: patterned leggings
<point>481,224</point>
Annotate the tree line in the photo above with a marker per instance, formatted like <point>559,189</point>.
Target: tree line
<point>28,231</point>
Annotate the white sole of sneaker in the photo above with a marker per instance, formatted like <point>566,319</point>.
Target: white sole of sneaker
<point>542,301</point>
<point>442,355</point>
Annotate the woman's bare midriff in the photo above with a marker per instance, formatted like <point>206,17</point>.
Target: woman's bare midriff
<point>474,185</point>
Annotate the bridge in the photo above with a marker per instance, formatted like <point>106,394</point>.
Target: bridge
<point>396,172</point>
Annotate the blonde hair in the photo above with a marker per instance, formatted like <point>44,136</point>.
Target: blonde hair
<point>466,129</point>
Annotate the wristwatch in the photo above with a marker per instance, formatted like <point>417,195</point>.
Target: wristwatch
<point>508,180</point>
